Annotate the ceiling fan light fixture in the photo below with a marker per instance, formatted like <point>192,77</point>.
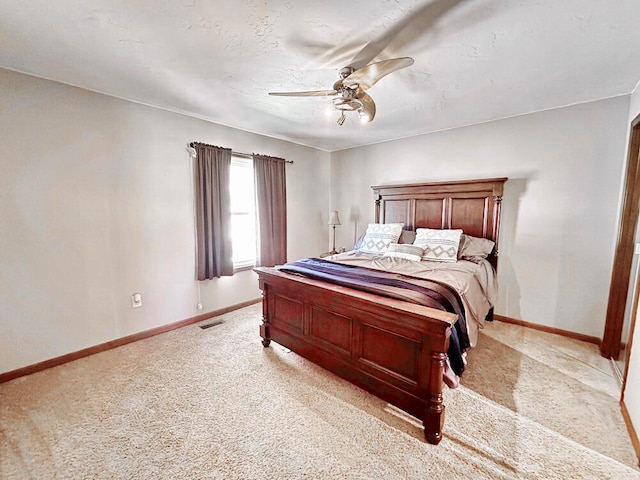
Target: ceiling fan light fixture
<point>347,104</point>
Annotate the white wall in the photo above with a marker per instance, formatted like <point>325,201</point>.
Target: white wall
<point>632,385</point>
<point>560,205</point>
<point>96,204</point>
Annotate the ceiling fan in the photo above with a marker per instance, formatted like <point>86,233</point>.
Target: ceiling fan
<point>349,91</point>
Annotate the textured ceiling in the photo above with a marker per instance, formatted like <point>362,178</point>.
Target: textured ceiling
<point>475,60</point>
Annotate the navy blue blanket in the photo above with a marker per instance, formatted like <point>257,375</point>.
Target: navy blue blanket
<point>394,285</point>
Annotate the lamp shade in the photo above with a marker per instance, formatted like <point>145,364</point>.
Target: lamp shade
<point>333,218</point>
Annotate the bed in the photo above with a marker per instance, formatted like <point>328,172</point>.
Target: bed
<point>393,348</point>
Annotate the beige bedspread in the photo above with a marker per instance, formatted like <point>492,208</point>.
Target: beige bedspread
<point>475,282</point>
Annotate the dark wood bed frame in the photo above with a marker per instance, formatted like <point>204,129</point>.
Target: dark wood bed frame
<point>396,350</point>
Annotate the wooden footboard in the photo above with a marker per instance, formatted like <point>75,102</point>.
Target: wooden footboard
<point>393,349</point>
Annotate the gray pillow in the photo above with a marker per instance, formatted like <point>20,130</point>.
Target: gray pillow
<point>407,236</point>
<point>473,247</point>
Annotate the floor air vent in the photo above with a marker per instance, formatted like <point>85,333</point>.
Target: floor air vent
<point>212,324</point>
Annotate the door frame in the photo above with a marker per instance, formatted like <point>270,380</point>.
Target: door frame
<point>618,291</point>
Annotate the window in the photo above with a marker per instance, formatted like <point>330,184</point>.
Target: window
<point>243,212</point>
<point>240,211</point>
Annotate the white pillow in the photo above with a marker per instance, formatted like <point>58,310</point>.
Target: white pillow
<point>405,250</point>
<point>379,236</point>
<point>439,245</point>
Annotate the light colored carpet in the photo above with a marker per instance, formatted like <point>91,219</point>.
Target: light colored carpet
<point>197,404</point>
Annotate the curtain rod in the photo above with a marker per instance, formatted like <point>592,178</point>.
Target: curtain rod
<point>237,154</point>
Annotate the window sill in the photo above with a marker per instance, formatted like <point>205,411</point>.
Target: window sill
<point>243,267</point>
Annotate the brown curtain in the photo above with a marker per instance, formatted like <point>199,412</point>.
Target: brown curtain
<point>271,199</point>
<point>213,212</point>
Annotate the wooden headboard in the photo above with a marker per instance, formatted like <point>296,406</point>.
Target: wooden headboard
<point>472,205</point>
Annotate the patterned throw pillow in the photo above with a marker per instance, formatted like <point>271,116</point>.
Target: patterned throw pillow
<point>439,245</point>
<point>403,250</point>
<point>379,236</point>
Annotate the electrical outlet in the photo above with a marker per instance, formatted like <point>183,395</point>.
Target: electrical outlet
<point>136,300</point>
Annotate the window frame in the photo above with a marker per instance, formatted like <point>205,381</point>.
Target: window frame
<point>238,161</point>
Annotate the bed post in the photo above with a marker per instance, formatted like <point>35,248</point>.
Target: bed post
<point>377,198</point>
<point>436,357</point>
<point>265,327</point>
<point>434,416</point>
<point>497,206</point>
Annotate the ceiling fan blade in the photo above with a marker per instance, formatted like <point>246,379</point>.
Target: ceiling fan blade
<point>368,105</point>
<point>367,76</point>
<point>312,93</point>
